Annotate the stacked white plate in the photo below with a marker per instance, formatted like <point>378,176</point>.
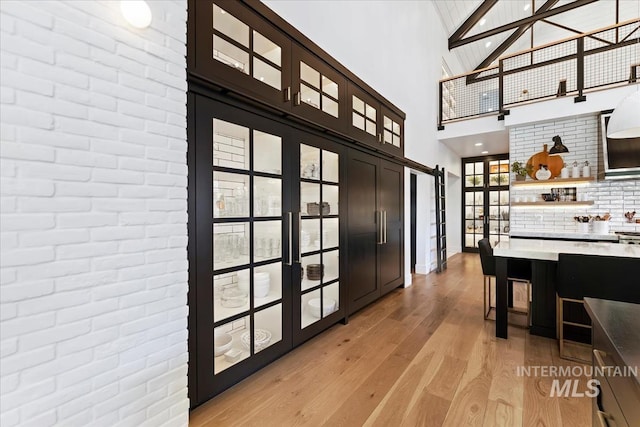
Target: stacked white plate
<point>261,284</point>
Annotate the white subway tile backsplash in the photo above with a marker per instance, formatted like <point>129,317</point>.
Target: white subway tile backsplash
<point>581,136</point>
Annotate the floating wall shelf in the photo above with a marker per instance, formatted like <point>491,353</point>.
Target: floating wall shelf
<point>555,181</point>
<point>552,204</point>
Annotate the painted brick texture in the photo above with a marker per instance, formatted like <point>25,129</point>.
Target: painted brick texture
<point>582,137</point>
<point>93,283</point>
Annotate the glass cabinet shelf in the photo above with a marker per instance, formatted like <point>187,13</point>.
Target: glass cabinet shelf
<point>319,234</point>
<point>315,307</point>
<point>247,208</point>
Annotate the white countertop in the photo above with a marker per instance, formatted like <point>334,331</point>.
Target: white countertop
<point>549,249</point>
<point>563,235</point>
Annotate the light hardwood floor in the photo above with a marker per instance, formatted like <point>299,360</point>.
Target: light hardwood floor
<point>421,356</point>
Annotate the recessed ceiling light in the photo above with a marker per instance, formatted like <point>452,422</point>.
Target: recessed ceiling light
<point>483,21</point>
<point>485,152</point>
<point>487,44</point>
<point>527,6</point>
<point>478,144</point>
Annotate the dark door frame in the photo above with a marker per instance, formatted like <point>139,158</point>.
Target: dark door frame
<point>414,219</point>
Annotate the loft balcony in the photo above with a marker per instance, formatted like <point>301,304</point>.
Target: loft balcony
<point>572,69</point>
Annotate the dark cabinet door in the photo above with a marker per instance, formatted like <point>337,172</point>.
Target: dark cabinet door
<point>239,50</point>
<point>364,230</point>
<point>268,229</point>
<point>319,218</point>
<point>242,280</point>
<point>376,230</point>
<point>391,251</point>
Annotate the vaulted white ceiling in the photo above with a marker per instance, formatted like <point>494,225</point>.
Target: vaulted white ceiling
<point>586,18</point>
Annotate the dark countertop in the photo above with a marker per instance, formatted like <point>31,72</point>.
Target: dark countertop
<point>621,322</point>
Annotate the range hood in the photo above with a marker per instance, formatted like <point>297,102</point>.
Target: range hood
<point>621,156</point>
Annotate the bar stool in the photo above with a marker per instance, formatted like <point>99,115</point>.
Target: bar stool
<point>517,271</point>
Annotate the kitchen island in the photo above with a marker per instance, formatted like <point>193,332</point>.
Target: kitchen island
<point>544,255</point>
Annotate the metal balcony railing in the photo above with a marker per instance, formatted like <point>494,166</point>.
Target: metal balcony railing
<point>573,66</point>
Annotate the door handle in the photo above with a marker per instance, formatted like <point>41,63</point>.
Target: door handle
<point>384,213</point>
<point>296,100</point>
<point>379,220</point>
<point>290,218</point>
<point>299,236</point>
<point>287,94</point>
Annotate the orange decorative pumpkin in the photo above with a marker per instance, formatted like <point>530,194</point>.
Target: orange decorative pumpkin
<point>554,163</point>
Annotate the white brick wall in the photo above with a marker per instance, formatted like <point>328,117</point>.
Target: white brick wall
<point>93,283</point>
<point>581,136</point>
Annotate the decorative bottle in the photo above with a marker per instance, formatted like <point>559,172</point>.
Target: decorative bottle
<point>575,170</point>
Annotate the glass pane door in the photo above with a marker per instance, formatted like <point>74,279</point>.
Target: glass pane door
<point>498,200</point>
<point>485,200</point>
<point>247,242</point>
<point>473,218</point>
<point>319,239</point>
<point>474,210</point>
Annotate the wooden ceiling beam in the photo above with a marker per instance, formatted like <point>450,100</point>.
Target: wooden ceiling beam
<point>576,31</point>
<point>512,38</point>
<point>515,24</point>
<point>472,20</point>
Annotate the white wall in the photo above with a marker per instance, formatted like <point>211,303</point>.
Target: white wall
<point>396,47</point>
<point>93,294</point>
<point>454,219</point>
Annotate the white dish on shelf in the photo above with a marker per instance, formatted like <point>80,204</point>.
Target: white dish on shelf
<point>233,298</point>
<point>260,276</point>
<point>328,306</point>
<point>222,343</point>
<point>233,355</point>
<point>261,288</point>
<point>261,339</point>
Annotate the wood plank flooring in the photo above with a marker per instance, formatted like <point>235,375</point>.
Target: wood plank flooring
<point>421,356</point>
